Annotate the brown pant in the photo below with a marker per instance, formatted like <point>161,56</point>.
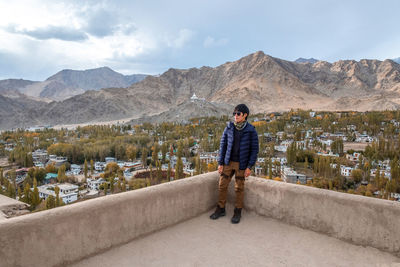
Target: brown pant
<point>225,179</point>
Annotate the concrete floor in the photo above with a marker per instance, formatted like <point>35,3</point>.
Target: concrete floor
<point>255,241</point>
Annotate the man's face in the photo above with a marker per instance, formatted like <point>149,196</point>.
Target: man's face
<point>239,116</point>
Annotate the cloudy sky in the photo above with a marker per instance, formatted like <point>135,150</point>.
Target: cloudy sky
<point>41,37</point>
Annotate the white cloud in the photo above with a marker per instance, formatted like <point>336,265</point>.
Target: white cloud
<point>211,42</point>
<point>181,39</point>
<point>33,14</point>
<point>57,36</point>
<point>50,32</point>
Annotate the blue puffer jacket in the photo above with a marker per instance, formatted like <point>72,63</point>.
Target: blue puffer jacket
<point>248,146</point>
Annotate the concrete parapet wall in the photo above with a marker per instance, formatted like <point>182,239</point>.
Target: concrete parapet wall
<point>66,234</point>
<point>360,220</point>
<point>70,233</point>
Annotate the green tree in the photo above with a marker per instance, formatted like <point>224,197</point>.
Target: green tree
<point>291,153</point>
<point>11,190</point>
<point>111,170</point>
<point>123,185</point>
<point>91,167</point>
<point>61,174</point>
<point>180,149</point>
<point>27,194</point>
<point>197,165</point>
<point>144,157</point>
<point>19,194</point>
<point>13,177</point>
<point>164,150</point>
<point>356,175</point>
<point>391,187</point>
<point>85,169</point>
<point>169,172</point>
<point>159,171</point>
<point>179,169</point>
<point>151,172</point>
<point>105,187</point>
<point>57,191</point>
<point>154,154</point>
<point>111,180</point>
<point>131,152</point>
<point>50,202</point>
<point>306,162</point>
<point>269,169</point>
<point>35,194</point>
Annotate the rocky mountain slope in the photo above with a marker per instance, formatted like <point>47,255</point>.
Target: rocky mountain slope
<point>9,85</point>
<point>187,110</point>
<point>19,111</point>
<point>263,82</point>
<point>68,83</point>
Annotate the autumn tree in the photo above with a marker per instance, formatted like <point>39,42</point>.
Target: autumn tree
<point>164,150</point>
<point>35,194</point>
<point>111,180</point>
<point>269,169</point>
<point>50,202</point>
<point>198,169</point>
<point>51,168</point>
<point>85,169</point>
<point>124,185</point>
<point>57,191</point>
<point>105,187</point>
<point>159,171</point>
<point>61,174</point>
<point>1,176</point>
<point>154,153</point>
<point>179,169</point>
<point>111,170</point>
<point>11,190</point>
<point>291,153</point>
<point>144,157</point>
<point>131,152</point>
<point>19,194</point>
<point>212,166</point>
<point>356,175</point>
<point>27,194</point>
<point>91,167</point>
<point>13,176</point>
<point>169,171</point>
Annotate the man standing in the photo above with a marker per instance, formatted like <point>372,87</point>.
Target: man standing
<point>237,155</point>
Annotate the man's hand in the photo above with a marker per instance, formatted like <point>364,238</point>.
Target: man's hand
<point>220,168</point>
<point>247,172</point>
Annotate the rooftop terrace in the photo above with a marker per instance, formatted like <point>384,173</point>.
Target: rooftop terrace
<point>255,241</point>
<point>168,225</point>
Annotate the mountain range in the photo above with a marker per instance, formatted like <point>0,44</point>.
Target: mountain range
<point>68,83</point>
<point>306,60</point>
<point>263,82</point>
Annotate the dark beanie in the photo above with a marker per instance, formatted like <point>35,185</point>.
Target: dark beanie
<point>243,108</point>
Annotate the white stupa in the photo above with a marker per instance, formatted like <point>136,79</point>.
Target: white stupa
<point>194,97</point>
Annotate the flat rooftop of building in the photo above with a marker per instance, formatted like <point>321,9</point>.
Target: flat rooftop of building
<point>10,207</point>
<point>255,241</point>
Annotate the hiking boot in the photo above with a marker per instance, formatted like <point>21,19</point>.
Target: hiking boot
<point>237,213</point>
<point>219,212</point>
